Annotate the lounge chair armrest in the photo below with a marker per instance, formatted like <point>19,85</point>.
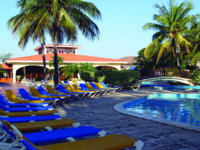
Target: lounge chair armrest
<point>139,144</point>
<point>77,124</point>
<point>48,128</point>
<point>70,139</point>
<point>101,133</point>
<point>56,113</point>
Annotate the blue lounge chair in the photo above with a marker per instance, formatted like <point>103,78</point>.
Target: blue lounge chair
<point>84,87</point>
<point>66,82</point>
<point>106,142</point>
<point>57,135</point>
<point>20,109</point>
<point>25,94</point>
<point>12,104</point>
<point>63,134</point>
<point>30,118</point>
<point>63,90</point>
<point>104,85</point>
<point>96,88</point>
<point>43,92</point>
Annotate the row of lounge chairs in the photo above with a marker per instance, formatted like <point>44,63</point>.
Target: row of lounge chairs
<point>26,123</point>
<point>50,82</point>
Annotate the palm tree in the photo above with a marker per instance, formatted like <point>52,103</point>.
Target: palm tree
<point>70,69</point>
<point>3,57</point>
<point>171,26</point>
<point>65,17</point>
<point>25,26</point>
<point>194,38</point>
<point>60,61</point>
<point>87,67</point>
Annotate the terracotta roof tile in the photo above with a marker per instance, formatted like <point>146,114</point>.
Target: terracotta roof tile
<point>129,59</point>
<point>7,66</point>
<point>67,58</point>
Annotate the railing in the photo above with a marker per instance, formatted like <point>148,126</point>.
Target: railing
<point>6,79</point>
<point>151,73</point>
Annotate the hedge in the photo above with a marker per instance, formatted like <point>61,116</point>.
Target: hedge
<point>196,76</point>
<point>112,77</point>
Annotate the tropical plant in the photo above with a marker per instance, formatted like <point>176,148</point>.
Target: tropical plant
<point>60,61</point>
<point>171,26</point>
<point>64,19</point>
<point>3,57</point>
<point>150,63</point>
<point>86,67</point>
<point>25,26</point>
<point>70,69</point>
<point>196,76</point>
<point>18,77</point>
<point>1,71</point>
<point>87,76</point>
<point>51,63</point>
<point>194,56</point>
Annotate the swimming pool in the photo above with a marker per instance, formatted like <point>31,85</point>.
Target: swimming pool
<point>182,110</point>
<point>176,87</point>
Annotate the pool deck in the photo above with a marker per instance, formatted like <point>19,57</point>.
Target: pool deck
<point>99,112</point>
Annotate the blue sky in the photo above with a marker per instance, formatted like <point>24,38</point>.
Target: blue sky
<point>121,28</point>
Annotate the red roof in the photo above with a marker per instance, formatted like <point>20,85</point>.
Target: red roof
<point>6,66</point>
<point>67,58</point>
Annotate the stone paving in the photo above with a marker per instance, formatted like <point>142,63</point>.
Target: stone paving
<point>99,112</point>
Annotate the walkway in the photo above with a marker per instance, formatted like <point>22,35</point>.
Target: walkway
<point>12,86</point>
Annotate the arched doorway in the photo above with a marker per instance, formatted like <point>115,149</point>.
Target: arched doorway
<point>30,72</point>
<point>106,67</point>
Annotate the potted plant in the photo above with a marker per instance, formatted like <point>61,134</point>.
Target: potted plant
<point>18,78</point>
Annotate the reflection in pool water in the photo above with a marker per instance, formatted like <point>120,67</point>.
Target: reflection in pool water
<point>176,109</point>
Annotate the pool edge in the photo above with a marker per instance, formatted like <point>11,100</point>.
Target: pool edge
<point>119,108</point>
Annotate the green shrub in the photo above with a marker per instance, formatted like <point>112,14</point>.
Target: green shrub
<point>113,77</point>
<point>38,79</point>
<point>86,76</point>
<point>196,76</point>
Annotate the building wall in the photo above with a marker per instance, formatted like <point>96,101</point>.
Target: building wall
<point>17,66</point>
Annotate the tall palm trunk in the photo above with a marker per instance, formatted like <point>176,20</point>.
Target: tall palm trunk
<point>55,57</point>
<point>177,56</point>
<point>44,60</point>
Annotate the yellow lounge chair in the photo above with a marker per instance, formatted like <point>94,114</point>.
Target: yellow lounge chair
<point>72,95</point>
<point>48,125</point>
<point>91,93</point>
<point>89,86</point>
<point>51,90</point>
<point>74,82</point>
<point>110,142</point>
<point>36,93</point>
<point>11,96</point>
<point>32,113</point>
<point>69,88</point>
<point>133,87</point>
<point>101,87</point>
<point>77,89</point>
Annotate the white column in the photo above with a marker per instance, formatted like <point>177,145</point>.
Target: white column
<point>25,72</point>
<point>14,75</point>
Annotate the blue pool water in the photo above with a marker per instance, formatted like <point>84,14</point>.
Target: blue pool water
<point>175,108</point>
